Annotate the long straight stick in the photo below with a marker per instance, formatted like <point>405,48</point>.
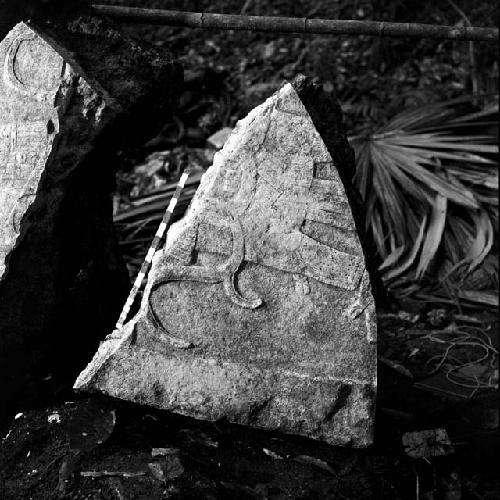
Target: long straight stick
<point>293,24</point>
<point>152,250</point>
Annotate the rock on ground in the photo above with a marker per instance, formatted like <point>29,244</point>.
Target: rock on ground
<point>259,309</point>
<point>69,97</point>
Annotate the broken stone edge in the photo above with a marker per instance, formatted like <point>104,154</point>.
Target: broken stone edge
<point>158,77</point>
<point>120,360</point>
<point>326,115</point>
<point>147,100</point>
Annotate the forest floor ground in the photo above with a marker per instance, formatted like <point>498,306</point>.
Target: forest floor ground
<point>97,448</point>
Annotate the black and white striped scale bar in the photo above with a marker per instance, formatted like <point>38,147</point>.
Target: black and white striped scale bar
<point>152,250</point>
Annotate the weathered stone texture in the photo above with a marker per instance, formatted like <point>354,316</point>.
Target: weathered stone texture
<point>259,308</point>
<point>68,95</point>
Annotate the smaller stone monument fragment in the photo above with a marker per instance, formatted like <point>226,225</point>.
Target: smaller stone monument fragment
<point>259,309</point>
<point>70,95</point>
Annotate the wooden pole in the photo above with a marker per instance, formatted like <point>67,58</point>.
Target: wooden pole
<point>293,24</point>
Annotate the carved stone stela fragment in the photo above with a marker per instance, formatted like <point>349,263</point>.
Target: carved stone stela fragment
<point>64,108</point>
<point>27,130</point>
<point>259,308</point>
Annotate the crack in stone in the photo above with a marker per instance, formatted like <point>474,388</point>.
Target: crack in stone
<point>341,401</point>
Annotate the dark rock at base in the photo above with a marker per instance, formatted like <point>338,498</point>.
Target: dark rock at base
<point>70,95</point>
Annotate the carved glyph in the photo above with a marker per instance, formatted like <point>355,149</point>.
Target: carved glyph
<point>32,73</point>
<point>268,204</point>
<point>22,71</point>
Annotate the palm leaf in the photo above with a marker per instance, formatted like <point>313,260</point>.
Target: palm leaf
<point>392,258</point>
<point>406,264</point>
<point>433,235</point>
<point>439,159</point>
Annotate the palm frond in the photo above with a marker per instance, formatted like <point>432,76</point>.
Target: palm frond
<point>430,178</point>
<point>433,235</point>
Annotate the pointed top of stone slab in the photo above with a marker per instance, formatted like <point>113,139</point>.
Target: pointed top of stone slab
<point>259,308</point>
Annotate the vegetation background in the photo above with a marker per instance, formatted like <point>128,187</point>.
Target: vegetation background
<point>422,116</point>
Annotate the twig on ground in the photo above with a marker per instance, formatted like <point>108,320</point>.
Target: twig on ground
<point>108,473</point>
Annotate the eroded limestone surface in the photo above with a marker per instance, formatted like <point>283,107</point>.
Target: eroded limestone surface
<point>65,105</point>
<point>259,308</point>
<point>28,91</point>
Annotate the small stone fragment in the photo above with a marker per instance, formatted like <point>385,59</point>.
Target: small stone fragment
<point>427,443</point>
<point>220,137</point>
<point>259,309</point>
<point>54,418</point>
